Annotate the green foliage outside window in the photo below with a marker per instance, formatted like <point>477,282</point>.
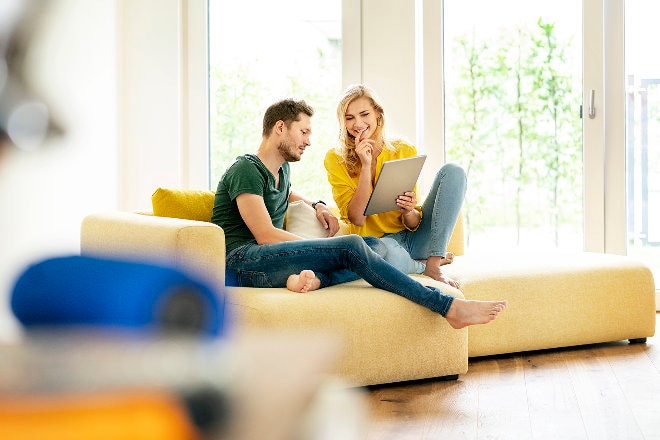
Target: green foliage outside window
<point>239,97</point>
<point>513,122</point>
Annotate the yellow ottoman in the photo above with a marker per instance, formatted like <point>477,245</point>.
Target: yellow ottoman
<point>557,299</point>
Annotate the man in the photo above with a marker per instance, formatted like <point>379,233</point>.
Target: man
<point>250,203</point>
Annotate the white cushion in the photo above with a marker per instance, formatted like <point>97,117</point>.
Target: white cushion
<point>301,220</point>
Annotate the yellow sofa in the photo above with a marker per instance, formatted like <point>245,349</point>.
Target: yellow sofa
<point>555,300</point>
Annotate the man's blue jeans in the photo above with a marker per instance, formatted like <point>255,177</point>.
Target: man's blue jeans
<point>439,214</point>
<point>334,260</point>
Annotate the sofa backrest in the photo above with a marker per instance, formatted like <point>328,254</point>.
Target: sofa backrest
<point>194,204</point>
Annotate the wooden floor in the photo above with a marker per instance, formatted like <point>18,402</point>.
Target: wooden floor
<point>603,391</point>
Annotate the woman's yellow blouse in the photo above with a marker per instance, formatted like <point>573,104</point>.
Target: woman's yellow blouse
<point>344,186</point>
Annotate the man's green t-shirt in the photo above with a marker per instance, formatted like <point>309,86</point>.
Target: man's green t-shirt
<point>249,175</point>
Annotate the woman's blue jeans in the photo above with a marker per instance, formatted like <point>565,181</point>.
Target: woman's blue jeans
<point>334,260</point>
<point>439,214</point>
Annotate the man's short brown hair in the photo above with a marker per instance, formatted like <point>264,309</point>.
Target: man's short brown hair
<point>287,111</point>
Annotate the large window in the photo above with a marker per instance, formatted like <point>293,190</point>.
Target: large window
<point>513,91</point>
<point>261,51</point>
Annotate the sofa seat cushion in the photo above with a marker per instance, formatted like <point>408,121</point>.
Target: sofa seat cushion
<point>557,299</point>
<point>386,338</point>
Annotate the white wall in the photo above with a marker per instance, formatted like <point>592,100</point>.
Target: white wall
<point>127,80</point>
<point>163,98</point>
<point>45,194</point>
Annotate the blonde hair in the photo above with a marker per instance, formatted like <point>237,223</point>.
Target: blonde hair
<point>346,143</point>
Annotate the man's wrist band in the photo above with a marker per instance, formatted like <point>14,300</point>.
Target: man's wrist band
<point>317,202</point>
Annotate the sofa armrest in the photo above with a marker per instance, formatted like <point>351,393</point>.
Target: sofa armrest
<point>194,247</point>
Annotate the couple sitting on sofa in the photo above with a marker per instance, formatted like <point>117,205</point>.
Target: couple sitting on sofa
<point>253,195</point>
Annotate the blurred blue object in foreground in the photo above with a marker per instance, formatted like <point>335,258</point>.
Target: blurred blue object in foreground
<point>85,291</point>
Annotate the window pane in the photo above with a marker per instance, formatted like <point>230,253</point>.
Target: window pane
<point>513,89</point>
<point>643,131</point>
<point>261,51</point>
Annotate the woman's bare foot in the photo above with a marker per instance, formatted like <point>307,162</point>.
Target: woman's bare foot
<point>304,282</point>
<point>469,312</point>
<point>441,261</point>
<point>434,272</point>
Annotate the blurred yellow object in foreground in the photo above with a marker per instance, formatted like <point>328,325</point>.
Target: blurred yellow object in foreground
<point>111,415</point>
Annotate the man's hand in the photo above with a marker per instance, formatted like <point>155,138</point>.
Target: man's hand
<point>327,219</point>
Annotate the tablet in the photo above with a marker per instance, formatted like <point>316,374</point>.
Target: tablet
<point>395,178</point>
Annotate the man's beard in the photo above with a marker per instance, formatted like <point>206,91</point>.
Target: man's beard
<point>287,152</point>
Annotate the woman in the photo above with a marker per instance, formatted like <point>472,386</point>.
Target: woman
<point>417,235</point>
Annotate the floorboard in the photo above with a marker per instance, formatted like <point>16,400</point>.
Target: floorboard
<point>601,391</point>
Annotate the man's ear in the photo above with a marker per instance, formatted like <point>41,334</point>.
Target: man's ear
<point>279,127</point>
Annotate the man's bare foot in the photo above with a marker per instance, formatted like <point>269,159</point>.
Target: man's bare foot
<point>304,282</point>
<point>470,312</point>
<point>434,272</point>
